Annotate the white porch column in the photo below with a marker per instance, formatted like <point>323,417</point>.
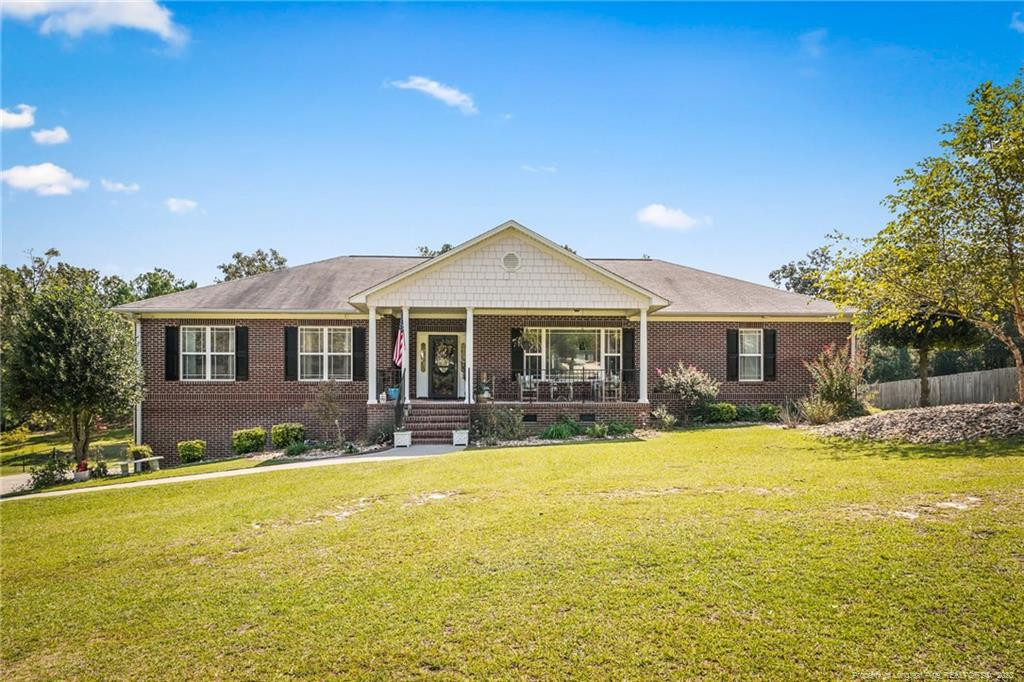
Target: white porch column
<point>469,355</point>
<point>643,355</point>
<point>371,358</point>
<point>405,351</point>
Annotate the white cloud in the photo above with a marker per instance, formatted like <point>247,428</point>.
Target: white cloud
<point>126,188</point>
<point>175,205</point>
<point>74,17</point>
<point>58,135</point>
<point>660,215</point>
<point>45,179</point>
<point>812,43</point>
<point>453,97</point>
<point>24,118</point>
<point>1016,23</point>
<point>539,169</point>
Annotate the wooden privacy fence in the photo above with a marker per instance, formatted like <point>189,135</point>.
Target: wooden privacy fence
<point>986,386</point>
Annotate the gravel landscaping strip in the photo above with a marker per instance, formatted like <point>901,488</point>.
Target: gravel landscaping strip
<point>942,424</point>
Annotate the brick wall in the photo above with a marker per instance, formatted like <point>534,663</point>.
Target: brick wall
<point>179,410</point>
<point>703,344</point>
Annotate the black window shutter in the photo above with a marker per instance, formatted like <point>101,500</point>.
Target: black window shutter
<point>171,340</point>
<point>518,362</point>
<point>628,349</point>
<point>291,353</point>
<point>358,353</point>
<point>732,354</point>
<point>769,355</point>
<point>241,353</point>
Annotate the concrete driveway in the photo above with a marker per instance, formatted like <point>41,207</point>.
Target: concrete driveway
<point>394,454</point>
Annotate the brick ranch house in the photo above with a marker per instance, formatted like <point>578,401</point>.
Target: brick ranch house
<point>508,317</point>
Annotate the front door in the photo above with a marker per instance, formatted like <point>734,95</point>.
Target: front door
<point>443,366</point>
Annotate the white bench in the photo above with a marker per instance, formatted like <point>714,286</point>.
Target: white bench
<point>127,465</point>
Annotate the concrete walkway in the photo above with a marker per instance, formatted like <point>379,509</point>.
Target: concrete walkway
<point>12,482</point>
<point>394,454</point>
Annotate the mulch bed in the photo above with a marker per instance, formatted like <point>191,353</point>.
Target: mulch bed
<point>941,424</point>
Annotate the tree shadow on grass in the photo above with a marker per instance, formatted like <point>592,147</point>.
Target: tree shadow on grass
<point>840,448</point>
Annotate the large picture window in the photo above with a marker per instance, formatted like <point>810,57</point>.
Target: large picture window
<point>751,355</point>
<point>325,353</point>
<point>572,352</point>
<point>208,353</point>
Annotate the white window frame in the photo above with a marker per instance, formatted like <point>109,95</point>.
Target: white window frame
<point>543,352</point>
<point>759,355</point>
<point>208,352</point>
<point>325,354</point>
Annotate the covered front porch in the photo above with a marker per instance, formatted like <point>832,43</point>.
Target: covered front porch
<point>481,355</point>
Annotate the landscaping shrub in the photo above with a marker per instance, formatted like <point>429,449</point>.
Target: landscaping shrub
<point>817,410</point>
<point>283,435</point>
<point>598,430</point>
<point>617,428</point>
<point>566,427</point>
<point>789,415</point>
<point>837,377</point>
<point>662,419</point>
<point>768,412</point>
<point>719,413</point>
<point>54,471</point>
<point>99,470</point>
<point>694,388</point>
<point>138,451</point>
<point>499,423</point>
<point>245,441</point>
<point>382,435</point>
<point>191,451</point>
<point>747,413</point>
<point>296,449</point>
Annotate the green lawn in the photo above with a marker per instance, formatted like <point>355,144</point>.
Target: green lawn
<point>741,552</point>
<point>20,458</point>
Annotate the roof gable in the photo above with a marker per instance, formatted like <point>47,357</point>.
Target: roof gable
<point>539,273</point>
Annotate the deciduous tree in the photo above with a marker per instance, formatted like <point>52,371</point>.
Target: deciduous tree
<point>255,263</point>
<point>71,357</point>
<point>956,244</point>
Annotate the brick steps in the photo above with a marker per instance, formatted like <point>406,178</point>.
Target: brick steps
<point>434,422</point>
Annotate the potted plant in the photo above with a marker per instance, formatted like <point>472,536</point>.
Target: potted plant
<point>82,471</point>
<point>403,437</point>
<point>460,437</point>
<point>483,389</point>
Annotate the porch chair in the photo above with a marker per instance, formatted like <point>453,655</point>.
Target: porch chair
<point>528,389</point>
<point>611,388</point>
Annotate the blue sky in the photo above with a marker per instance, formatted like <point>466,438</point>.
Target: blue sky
<point>730,137</point>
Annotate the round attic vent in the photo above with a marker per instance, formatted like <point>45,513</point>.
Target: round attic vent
<point>510,261</point>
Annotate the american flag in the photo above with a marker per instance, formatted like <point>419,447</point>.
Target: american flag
<point>399,347</point>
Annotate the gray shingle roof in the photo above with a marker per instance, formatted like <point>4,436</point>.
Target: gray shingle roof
<point>325,286</point>
<point>692,291</point>
<point>322,286</point>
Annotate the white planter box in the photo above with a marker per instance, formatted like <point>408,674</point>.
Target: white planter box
<point>460,437</point>
<point>403,439</point>
<point>82,475</point>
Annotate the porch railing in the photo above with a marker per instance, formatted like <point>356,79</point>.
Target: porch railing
<point>582,385</point>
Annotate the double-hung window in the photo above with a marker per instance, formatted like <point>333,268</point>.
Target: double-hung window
<point>208,353</point>
<point>325,353</point>
<point>751,355</point>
